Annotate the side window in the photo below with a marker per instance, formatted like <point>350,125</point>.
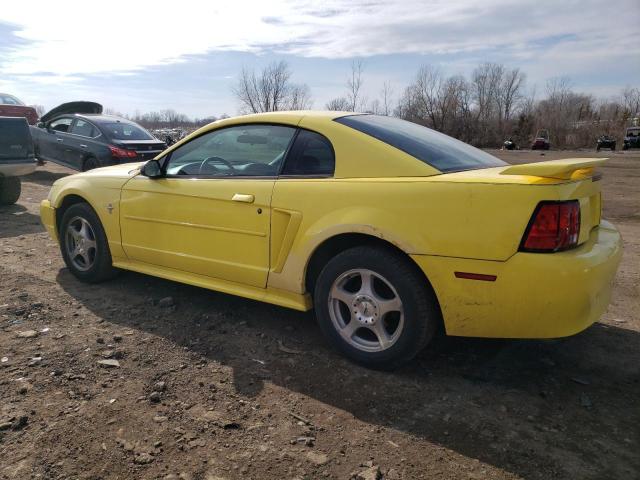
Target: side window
<point>311,154</point>
<point>61,125</point>
<point>245,150</point>
<point>84,128</point>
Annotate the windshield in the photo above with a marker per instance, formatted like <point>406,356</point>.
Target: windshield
<point>126,131</point>
<point>433,148</point>
<point>9,100</point>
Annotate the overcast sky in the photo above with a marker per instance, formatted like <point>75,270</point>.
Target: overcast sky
<point>187,54</point>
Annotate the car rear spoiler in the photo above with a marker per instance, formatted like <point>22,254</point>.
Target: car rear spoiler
<point>563,169</point>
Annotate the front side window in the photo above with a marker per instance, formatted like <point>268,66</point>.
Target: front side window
<point>247,150</point>
<point>61,125</point>
<point>311,155</point>
<point>125,131</point>
<point>433,148</point>
<point>84,129</point>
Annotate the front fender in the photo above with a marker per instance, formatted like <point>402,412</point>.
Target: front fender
<point>104,197</point>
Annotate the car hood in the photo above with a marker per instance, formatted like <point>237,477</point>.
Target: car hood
<point>121,173</point>
<point>72,107</point>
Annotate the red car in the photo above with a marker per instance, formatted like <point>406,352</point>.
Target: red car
<point>10,106</point>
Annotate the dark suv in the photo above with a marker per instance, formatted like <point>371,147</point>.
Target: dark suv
<point>605,141</point>
<point>16,157</point>
<point>631,138</point>
<point>78,136</point>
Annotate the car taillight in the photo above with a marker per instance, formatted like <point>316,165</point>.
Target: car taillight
<point>122,153</point>
<point>554,226</point>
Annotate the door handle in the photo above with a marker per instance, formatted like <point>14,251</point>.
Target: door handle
<point>59,140</point>
<point>83,145</point>
<point>243,197</point>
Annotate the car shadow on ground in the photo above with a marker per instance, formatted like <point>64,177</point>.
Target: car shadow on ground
<point>44,177</point>
<point>15,220</point>
<point>533,408</point>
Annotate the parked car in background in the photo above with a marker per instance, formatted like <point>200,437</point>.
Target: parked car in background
<point>10,106</point>
<point>509,144</point>
<point>16,157</point>
<point>631,138</point>
<point>78,136</point>
<point>390,230</point>
<point>605,141</point>
<point>541,142</point>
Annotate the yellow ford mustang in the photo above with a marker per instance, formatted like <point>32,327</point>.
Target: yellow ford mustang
<point>388,229</point>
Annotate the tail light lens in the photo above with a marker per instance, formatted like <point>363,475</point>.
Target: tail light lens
<point>122,153</point>
<point>555,226</point>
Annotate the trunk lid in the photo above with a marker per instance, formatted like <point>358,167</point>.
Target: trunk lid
<point>146,149</point>
<point>566,179</point>
<point>72,107</point>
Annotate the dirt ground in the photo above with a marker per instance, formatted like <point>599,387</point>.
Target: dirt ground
<point>211,386</point>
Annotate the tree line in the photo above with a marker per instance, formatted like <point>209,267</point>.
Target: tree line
<point>492,104</point>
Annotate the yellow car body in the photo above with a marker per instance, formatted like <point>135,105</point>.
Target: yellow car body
<point>208,232</point>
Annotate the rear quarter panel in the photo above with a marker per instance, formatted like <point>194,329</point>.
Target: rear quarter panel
<point>421,216</point>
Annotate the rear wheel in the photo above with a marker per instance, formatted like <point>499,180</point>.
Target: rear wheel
<point>84,245</point>
<point>375,307</point>
<point>10,188</point>
<point>90,163</point>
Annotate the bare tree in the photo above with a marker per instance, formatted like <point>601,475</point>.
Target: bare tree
<point>270,90</point>
<point>354,84</point>
<point>386,94</point>
<point>630,99</point>
<point>340,104</point>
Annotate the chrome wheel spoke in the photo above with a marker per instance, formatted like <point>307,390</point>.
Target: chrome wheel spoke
<point>84,230</point>
<point>339,293</point>
<point>386,306</point>
<point>366,288</point>
<point>351,328</point>
<point>383,336</point>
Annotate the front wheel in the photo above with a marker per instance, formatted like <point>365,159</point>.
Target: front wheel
<point>10,188</point>
<point>375,307</point>
<point>84,245</point>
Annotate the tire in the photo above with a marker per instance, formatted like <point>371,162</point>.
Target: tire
<point>92,263</point>
<point>10,188</point>
<point>613,148</point>
<point>90,163</point>
<point>408,327</point>
<point>598,148</point>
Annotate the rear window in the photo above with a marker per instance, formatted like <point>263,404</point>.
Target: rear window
<point>15,138</point>
<point>9,100</point>
<point>126,131</point>
<point>433,148</point>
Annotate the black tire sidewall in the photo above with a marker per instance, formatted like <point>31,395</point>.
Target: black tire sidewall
<point>90,163</point>
<point>102,268</point>
<point>10,189</point>
<point>420,313</point>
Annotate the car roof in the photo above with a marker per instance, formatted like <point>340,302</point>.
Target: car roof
<point>101,118</point>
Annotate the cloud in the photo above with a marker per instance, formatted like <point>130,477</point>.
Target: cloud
<point>126,36</point>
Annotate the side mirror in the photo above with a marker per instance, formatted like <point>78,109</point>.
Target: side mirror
<point>151,169</point>
<point>40,124</point>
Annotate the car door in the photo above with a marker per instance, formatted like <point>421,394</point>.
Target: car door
<point>52,139</point>
<point>80,143</point>
<point>210,213</point>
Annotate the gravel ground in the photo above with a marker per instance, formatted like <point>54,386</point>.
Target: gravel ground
<point>145,378</point>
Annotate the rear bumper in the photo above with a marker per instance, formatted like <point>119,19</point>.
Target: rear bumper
<point>534,295</point>
<point>17,168</point>
<point>48,219</point>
